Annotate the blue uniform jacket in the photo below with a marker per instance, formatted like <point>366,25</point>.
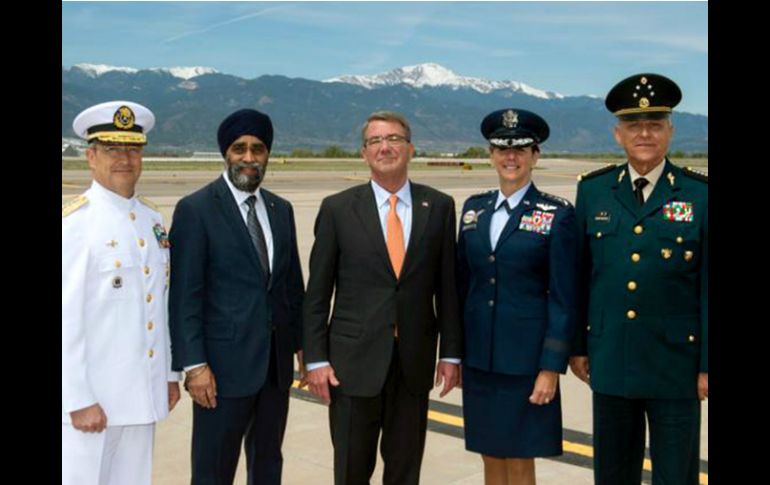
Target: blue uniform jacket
<point>518,300</point>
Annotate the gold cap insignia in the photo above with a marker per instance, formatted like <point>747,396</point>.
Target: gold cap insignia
<point>124,118</point>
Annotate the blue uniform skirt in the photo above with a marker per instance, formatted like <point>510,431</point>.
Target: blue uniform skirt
<point>501,422</point>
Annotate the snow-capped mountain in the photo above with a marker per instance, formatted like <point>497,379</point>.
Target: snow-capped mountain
<point>434,75</point>
<point>96,70</point>
<point>313,114</point>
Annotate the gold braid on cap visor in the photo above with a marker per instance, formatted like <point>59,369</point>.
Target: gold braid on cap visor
<point>119,137</point>
<point>654,109</point>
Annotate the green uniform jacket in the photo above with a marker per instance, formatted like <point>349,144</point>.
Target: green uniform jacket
<point>643,310</point>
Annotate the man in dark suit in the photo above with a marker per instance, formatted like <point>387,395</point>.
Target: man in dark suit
<point>386,251</point>
<point>642,334</point>
<point>235,308</point>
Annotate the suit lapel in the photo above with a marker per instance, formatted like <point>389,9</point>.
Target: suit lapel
<point>527,204</point>
<point>365,209</point>
<point>624,193</point>
<point>421,208</point>
<point>484,221</point>
<point>232,215</point>
<point>279,229</point>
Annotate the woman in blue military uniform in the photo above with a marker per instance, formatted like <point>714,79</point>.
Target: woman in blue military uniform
<point>517,283</point>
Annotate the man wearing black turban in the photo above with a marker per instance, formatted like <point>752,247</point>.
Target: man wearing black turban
<point>235,308</point>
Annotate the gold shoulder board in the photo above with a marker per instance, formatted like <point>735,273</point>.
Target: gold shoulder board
<point>696,174</point>
<point>72,205</point>
<point>144,200</point>
<point>598,171</point>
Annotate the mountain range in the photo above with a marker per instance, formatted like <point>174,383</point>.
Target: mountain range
<point>444,109</point>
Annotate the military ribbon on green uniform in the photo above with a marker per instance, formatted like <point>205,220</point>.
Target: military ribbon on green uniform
<point>678,211</point>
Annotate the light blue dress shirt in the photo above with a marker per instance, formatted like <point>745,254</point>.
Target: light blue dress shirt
<point>500,217</point>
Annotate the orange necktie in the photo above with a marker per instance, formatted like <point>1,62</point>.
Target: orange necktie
<point>395,239</point>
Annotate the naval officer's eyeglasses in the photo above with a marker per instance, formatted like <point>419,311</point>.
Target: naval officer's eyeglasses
<point>115,151</point>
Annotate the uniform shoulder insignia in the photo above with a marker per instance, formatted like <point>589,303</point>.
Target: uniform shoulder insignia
<point>482,194</point>
<point>598,171</point>
<point>557,199</point>
<point>72,205</point>
<point>144,200</point>
<point>697,175</point>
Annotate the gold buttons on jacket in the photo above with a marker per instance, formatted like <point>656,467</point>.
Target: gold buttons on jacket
<point>150,325</point>
<point>151,353</point>
<point>666,253</point>
<point>691,338</point>
<point>588,328</point>
<point>638,230</point>
<point>492,281</point>
<point>636,257</point>
<point>491,258</point>
<point>599,235</point>
<point>117,263</point>
<point>146,270</point>
<point>631,286</point>
<point>630,314</point>
<point>149,297</point>
<point>679,239</point>
<point>688,255</point>
<point>491,302</point>
<point>141,242</point>
<point>132,216</point>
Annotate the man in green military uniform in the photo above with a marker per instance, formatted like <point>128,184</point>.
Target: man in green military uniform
<point>642,333</point>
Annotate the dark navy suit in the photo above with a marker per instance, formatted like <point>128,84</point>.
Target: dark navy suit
<point>224,311</point>
<point>519,316</point>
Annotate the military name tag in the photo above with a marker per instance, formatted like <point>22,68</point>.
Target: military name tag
<point>539,222</point>
<point>678,211</point>
<point>602,216</point>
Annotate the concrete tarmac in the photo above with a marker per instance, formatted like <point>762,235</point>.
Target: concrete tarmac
<point>307,448</point>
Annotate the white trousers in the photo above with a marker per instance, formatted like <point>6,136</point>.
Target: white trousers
<point>119,455</point>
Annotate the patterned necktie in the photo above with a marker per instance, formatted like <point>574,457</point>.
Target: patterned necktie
<point>640,184</point>
<point>395,237</point>
<point>257,235</point>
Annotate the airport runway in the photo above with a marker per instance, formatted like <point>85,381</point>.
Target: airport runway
<point>307,447</point>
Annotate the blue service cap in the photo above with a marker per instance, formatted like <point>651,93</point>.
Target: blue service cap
<point>514,127</point>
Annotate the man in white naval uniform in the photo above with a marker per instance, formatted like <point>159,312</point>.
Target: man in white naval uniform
<point>116,367</point>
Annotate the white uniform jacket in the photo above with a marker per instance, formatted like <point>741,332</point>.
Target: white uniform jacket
<point>115,343</point>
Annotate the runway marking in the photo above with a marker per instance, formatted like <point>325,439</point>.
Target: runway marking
<point>447,419</point>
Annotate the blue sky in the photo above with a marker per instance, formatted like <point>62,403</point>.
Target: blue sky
<point>572,48</point>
